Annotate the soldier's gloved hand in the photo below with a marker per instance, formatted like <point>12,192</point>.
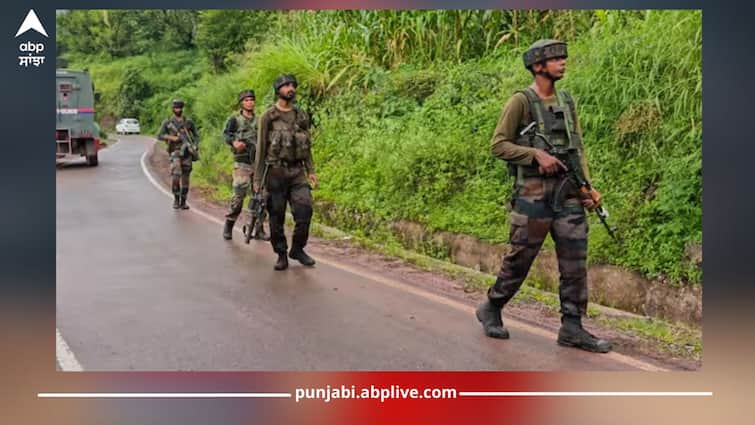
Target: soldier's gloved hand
<point>548,163</point>
<point>239,146</point>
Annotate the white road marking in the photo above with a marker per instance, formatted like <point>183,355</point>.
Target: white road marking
<point>64,355</point>
<point>167,193</point>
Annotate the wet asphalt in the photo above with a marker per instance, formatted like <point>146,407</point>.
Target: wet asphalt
<point>141,286</point>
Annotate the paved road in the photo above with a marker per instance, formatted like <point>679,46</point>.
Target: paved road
<point>141,286</point>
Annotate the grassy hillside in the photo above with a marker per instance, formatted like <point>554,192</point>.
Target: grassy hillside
<point>403,132</point>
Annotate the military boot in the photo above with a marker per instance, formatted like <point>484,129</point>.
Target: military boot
<point>184,194</point>
<point>228,229</point>
<point>282,263</point>
<point>176,201</point>
<point>259,233</point>
<point>572,334</point>
<point>299,254</point>
<point>489,315</point>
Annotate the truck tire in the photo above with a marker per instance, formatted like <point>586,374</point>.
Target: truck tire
<point>91,153</point>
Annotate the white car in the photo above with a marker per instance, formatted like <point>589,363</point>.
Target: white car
<point>127,126</point>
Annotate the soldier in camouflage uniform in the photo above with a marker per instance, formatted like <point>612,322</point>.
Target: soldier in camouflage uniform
<point>240,134</point>
<point>284,148</point>
<point>180,157</point>
<point>544,200</point>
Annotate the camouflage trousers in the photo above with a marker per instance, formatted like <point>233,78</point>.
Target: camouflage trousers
<point>180,171</point>
<point>288,186</point>
<point>536,213</point>
<point>242,186</point>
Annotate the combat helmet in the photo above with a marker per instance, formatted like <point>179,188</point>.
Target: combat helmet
<point>284,79</point>
<point>178,103</point>
<point>246,93</point>
<point>543,50</point>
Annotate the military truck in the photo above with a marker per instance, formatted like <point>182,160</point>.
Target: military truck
<point>76,133</point>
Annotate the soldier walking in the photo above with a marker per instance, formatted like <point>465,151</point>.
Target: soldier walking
<point>240,134</point>
<point>182,137</point>
<point>284,157</point>
<point>544,201</point>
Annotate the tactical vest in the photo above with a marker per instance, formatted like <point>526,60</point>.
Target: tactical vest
<point>246,131</point>
<point>289,142</point>
<point>556,124</point>
<point>246,128</point>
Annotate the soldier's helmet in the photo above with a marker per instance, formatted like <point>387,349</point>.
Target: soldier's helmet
<point>284,79</point>
<point>178,103</point>
<point>543,50</point>
<point>246,93</point>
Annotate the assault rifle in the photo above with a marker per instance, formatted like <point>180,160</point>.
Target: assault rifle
<point>574,172</point>
<point>257,212</point>
<point>188,146</point>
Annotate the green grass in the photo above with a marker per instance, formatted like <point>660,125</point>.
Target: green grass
<point>416,148</point>
<point>675,339</point>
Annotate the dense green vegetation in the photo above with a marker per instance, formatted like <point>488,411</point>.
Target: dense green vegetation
<point>405,104</point>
